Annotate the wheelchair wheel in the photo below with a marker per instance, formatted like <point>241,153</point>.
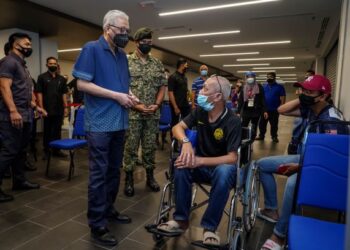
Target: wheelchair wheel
<point>157,238</point>
<point>237,241</point>
<point>251,199</point>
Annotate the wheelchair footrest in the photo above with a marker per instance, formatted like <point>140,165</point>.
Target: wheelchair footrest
<point>152,228</point>
<point>199,243</point>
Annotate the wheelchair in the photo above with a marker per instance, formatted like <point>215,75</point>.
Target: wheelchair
<point>246,192</point>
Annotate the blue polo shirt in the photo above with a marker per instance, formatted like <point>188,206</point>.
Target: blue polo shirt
<point>273,92</point>
<point>97,64</point>
<point>197,85</point>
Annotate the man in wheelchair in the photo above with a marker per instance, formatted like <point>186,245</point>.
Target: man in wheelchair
<point>212,161</point>
<point>313,104</point>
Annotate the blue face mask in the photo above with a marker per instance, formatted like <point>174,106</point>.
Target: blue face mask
<point>203,102</point>
<point>204,72</point>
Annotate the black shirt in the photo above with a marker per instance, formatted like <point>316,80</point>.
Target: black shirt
<point>14,67</point>
<point>259,104</point>
<point>52,89</point>
<point>218,138</point>
<point>177,83</point>
<point>78,96</point>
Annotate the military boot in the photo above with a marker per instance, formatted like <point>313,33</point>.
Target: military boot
<point>129,184</point>
<point>151,182</point>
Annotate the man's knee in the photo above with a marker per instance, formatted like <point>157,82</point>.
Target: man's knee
<point>225,175</point>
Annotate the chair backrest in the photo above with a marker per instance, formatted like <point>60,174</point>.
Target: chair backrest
<point>324,172</point>
<point>229,105</point>
<point>165,114</point>
<point>79,123</point>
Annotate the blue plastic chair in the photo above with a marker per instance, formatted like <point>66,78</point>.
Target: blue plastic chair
<point>70,144</point>
<point>323,184</point>
<point>164,121</point>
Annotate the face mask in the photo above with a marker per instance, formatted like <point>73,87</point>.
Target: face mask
<point>52,68</point>
<point>204,72</point>
<point>185,69</point>
<point>121,40</point>
<point>26,52</point>
<point>307,101</point>
<point>203,102</point>
<point>250,80</point>
<point>145,48</point>
<point>269,80</point>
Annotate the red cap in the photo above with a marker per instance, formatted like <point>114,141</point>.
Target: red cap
<point>316,82</point>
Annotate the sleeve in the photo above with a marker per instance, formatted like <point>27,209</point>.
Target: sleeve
<point>263,101</point>
<point>163,80</point>
<point>64,86</point>
<point>234,136</point>
<point>171,83</point>
<point>84,67</point>
<point>7,69</point>
<point>191,119</point>
<point>40,85</point>
<point>194,85</point>
<point>283,91</point>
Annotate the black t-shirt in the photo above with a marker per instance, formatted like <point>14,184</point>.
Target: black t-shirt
<point>78,96</point>
<point>177,83</point>
<point>52,90</point>
<point>14,68</point>
<point>218,138</point>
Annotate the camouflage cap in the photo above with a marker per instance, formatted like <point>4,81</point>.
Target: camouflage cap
<point>143,33</point>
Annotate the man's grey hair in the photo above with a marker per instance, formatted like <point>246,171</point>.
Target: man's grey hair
<point>225,86</point>
<point>111,16</point>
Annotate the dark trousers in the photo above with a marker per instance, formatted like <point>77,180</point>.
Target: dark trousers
<point>273,120</point>
<point>105,159</point>
<point>52,130</point>
<point>13,150</point>
<point>184,111</point>
<point>254,120</point>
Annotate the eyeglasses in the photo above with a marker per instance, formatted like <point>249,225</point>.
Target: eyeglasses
<point>122,29</point>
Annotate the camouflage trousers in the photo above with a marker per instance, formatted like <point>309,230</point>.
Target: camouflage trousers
<point>144,131</point>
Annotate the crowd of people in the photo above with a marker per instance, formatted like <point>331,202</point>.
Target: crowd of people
<point>122,97</point>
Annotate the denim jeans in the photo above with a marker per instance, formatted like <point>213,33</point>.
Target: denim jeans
<point>105,160</point>
<point>267,167</point>
<point>222,179</point>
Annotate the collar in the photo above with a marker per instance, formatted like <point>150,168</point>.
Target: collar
<point>17,58</point>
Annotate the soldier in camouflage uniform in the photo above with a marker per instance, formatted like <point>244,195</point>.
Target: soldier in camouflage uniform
<point>148,84</point>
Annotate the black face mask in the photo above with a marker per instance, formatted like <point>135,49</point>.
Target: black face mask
<point>269,80</point>
<point>52,68</point>
<point>145,48</point>
<point>26,52</point>
<point>121,40</point>
<point>307,101</point>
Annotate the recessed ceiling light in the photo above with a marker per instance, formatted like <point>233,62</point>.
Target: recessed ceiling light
<point>256,71</point>
<point>231,54</point>
<point>215,7</point>
<point>200,34</point>
<point>250,44</point>
<point>265,59</point>
<point>68,50</point>
<point>291,67</point>
<point>246,65</point>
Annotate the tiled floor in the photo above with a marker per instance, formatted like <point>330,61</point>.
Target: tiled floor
<point>54,217</point>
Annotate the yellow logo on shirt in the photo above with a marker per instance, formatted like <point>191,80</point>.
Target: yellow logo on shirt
<point>218,134</point>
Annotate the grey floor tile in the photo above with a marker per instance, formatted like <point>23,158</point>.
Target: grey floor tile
<point>58,237</point>
<point>128,244</point>
<point>83,245</point>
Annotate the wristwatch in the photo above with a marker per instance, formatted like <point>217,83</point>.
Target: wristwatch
<point>185,140</point>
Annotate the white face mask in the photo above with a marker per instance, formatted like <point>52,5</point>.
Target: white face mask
<point>250,80</point>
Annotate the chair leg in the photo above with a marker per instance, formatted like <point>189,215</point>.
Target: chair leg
<point>48,163</point>
<point>71,165</point>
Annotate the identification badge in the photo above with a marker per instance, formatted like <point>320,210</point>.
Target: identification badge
<point>251,102</point>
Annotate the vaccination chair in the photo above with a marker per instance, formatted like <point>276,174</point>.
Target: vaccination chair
<point>246,191</point>
<point>322,183</point>
<point>164,122</point>
<point>70,144</point>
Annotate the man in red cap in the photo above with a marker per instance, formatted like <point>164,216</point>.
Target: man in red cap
<point>313,104</point>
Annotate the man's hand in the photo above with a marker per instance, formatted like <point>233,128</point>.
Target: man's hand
<point>143,109</point>
<point>41,111</point>
<point>291,168</point>
<point>177,111</point>
<point>153,108</point>
<point>125,100</point>
<point>66,112</point>
<point>134,98</point>
<point>187,158</point>
<point>266,115</point>
<point>16,119</point>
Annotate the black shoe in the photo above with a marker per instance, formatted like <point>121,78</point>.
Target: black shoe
<point>102,236</point>
<point>259,138</point>
<point>118,217</point>
<point>129,184</point>
<point>26,185</point>
<point>5,197</point>
<point>151,182</point>
<point>275,139</point>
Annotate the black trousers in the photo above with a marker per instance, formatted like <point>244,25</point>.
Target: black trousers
<point>254,120</point>
<point>273,120</point>
<point>185,111</point>
<point>13,147</point>
<point>52,130</point>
